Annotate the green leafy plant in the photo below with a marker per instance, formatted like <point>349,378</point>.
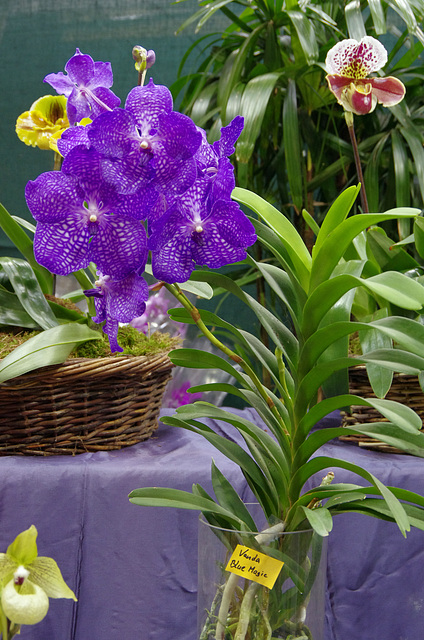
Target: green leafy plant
<point>301,359</point>
<point>268,65</point>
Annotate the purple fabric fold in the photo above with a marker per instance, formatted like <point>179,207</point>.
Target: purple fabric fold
<point>134,569</point>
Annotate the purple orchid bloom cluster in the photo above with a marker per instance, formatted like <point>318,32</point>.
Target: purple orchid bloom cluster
<point>134,180</point>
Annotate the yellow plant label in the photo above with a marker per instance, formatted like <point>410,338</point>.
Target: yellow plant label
<point>254,566</point>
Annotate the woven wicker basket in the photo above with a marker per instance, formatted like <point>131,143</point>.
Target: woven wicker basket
<point>405,389</point>
<point>84,404</point>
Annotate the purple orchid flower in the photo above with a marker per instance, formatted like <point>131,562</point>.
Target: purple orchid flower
<point>73,137</point>
<point>155,316</point>
<point>200,230</point>
<point>181,396</point>
<point>86,85</point>
<point>212,160</point>
<point>82,219</point>
<point>118,301</point>
<point>145,140</point>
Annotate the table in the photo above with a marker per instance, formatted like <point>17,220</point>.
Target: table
<point>134,569</point>
<point>375,575</point>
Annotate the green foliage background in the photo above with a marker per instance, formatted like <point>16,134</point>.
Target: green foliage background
<point>268,65</point>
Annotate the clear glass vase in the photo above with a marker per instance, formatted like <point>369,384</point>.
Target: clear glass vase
<point>231,607</point>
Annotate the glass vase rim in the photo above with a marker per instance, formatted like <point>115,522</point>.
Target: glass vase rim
<point>204,522</point>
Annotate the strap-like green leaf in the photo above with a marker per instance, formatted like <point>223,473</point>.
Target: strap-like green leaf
<point>178,499</point>
<point>220,387</point>
<point>244,426</point>
<point>12,312</point>
<point>419,235</point>
<point>414,139</point>
<point>291,239</point>
<point>28,290</point>
<point>378,509</point>
<point>306,33</point>
<point>292,146</point>
<point>196,359</point>
<point>267,454</point>
<point>392,359</point>
<point>403,8</point>
<point>354,20</point>
<point>271,242</point>
<point>198,288</point>
<point>253,105</point>
<point>320,520</point>
<point>387,256</point>
<point>391,434</point>
<point>229,498</point>
<point>201,289</point>
<point>24,244</point>
<point>204,14</point>
<point>228,81</point>
<point>372,174</point>
<point>258,483</point>
<point>380,378</point>
<point>398,289</point>
<point>335,245</point>
<point>403,426</point>
<point>401,167</point>
<point>407,333</point>
<point>396,509</point>
<point>377,14</point>
<point>340,312</point>
<point>338,212</point>
<point>276,329</point>
<point>48,347</point>
<point>282,286</point>
<point>396,412</point>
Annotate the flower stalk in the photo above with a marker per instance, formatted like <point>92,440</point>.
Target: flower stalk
<point>194,312</point>
<point>352,135</point>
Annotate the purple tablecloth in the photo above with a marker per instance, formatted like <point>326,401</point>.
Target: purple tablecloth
<point>134,569</point>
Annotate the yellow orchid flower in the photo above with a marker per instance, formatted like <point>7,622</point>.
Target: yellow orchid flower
<point>58,134</point>
<point>46,117</point>
<point>28,580</point>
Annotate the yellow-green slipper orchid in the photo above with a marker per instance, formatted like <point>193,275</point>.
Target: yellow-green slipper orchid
<point>46,116</point>
<point>28,580</point>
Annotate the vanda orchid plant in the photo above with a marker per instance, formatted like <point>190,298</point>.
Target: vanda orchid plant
<point>122,172</point>
<point>144,178</point>
<point>280,461</point>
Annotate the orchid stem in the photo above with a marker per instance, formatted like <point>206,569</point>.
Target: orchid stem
<point>229,589</point>
<point>57,162</point>
<point>4,625</point>
<point>245,611</point>
<point>85,283</point>
<point>141,77</point>
<point>351,129</point>
<point>194,312</point>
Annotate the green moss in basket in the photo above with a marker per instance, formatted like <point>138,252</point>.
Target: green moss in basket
<point>132,341</point>
<point>355,348</point>
<point>9,340</point>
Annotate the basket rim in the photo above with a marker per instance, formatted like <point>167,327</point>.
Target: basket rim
<point>100,367</point>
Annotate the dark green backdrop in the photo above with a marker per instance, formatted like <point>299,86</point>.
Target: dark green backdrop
<point>37,37</point>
